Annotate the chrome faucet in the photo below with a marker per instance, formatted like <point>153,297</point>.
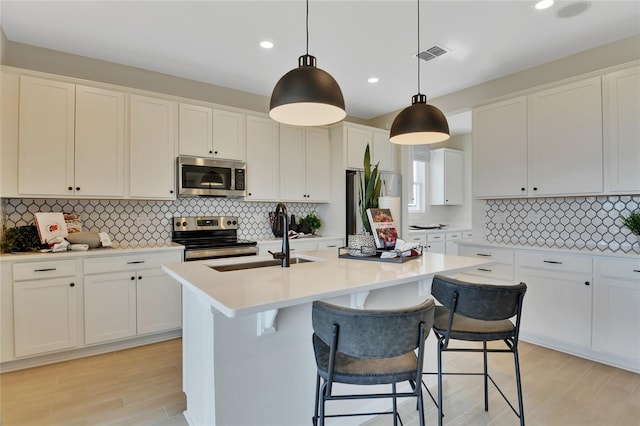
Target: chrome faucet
<point>285,254</point>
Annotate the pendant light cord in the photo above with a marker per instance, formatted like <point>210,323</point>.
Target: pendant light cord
<point>418,54</point>
<point>307,27</point>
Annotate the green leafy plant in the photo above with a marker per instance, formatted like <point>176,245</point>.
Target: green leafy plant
<point>20,239</point>
<point>369,190</point>
<point>312,221</point>
<point>632,222</point>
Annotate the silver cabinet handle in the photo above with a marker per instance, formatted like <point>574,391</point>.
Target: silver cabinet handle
<point>484,270</point>
<point>483,255</point>
<point>44,270</point>
<point>135,261</point>
<point>555,262</point>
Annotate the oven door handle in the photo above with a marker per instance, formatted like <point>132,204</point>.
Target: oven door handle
<point>215,253</point>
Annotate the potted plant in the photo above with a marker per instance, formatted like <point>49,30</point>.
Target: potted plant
<point>368,192</point>
<point>311,222</point>
<point>632,222</point>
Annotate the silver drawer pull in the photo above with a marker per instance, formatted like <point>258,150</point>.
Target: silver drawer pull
<point>44,270</point>
<point>555,262</point>
<point>135,261</point>
<point>483,255</point>
<point>636,270</point>
<point>484,270</point>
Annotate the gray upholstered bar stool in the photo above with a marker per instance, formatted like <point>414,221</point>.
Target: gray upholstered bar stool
<point>369,347</point>
<point>480,313</point>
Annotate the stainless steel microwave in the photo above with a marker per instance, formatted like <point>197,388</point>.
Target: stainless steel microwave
<point>212,178</point>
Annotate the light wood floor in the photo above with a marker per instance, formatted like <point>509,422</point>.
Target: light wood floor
<point>142,386</point>
<point>139,386</point>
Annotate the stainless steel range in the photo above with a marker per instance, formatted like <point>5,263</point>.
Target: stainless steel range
<point>211,237</point>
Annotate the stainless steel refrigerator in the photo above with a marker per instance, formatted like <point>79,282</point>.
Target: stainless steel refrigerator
<point>391,190</point>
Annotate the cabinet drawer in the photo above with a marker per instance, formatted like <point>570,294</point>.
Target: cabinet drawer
<point>556,262</point>
<point>619,268</point>
<point>498,271</point>
<point>48,269</point>
<point>435,237</point>
<point>467,234</point>
<point>499,255</point>
<point>417,238</point>
<point>100,265</point>
<point>454,236</point>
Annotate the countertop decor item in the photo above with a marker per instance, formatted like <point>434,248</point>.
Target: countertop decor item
<point>52,227</point>
<point>311,221</point>
<point>307,95</point>
<point>20,239</point>
<point>419,123</point>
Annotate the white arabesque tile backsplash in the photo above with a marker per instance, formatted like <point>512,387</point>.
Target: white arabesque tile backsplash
<point>585,223</point>
<point>140,222</point>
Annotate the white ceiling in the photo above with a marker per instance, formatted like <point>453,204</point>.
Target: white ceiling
<point>217,41</point>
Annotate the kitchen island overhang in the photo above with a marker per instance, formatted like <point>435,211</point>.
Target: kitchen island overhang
<point>242,366</point>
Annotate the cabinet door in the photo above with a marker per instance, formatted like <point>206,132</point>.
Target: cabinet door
<point>616,308</point>
<point>45,315</point>
<point>557,305</point>
<point>500,149</point>
<point>158,301</point>
<point>152,148</point>
<point>622,130</point>
<point>317,161</point>
<point>383,151</point>
<point>109,306</point>
<point>357,140</point>
<point>195,130</point>
<point>99,142</point>
<point>292,161</point>
<point>446,177</point>
<point>565,139</point>
<point>436,247</point>
<point>228,135</point>
<point>263,163</point>
<point>45,150</point>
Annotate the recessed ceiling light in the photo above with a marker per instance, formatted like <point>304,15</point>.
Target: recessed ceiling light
<point>266,44</point>
<point>543,4</point>
<point>373,79</point>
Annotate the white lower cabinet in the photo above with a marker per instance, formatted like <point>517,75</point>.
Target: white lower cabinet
<point>499,273</point>
<point>45,307</point>
<point>557,304</point>
<point>110,307</point>
<point>436,243</point>
<point>616,308</point>
<point>301,245</point>
<point>138,298</point>
<point>45,315</point>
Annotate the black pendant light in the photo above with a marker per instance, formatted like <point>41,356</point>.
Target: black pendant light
<point>420,123</point>
<point>307,95</point>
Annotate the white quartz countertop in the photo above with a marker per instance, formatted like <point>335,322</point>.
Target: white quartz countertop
<point>116,250</point>
<point>632,252</point>
<point>244,292</point>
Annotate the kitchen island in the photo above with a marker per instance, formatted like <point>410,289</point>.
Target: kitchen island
<point>247,355</point>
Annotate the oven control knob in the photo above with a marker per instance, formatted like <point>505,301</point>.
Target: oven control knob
<point>177,223</point>
<point>184,223</point>
<point>235,223</point>
<point>228,222</point>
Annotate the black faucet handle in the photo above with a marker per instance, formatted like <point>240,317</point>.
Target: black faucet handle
<point>278,255</point>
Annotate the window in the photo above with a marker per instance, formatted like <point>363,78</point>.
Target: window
<point>416,203</point>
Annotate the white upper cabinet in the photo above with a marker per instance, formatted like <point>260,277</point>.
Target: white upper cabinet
<point>46,137</point>
<point>305,164</point>
<point>99,142</point>
<point>152,148</point>
<point>263,162</point>
<point>500,149</point>
<point>72,140</point>
<point>446,177</point>
<point>357,138</point>
<point>547,143</point>
<point>195,130</point>
<point>208,132</point>
<point>565,139</point>
<point>621,95</point>
<point>229,135</point>
<point>383,150</point>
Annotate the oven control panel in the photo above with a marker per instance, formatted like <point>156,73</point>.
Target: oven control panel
<point>199,223</point>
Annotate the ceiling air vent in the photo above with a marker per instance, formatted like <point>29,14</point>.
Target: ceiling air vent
<point>431,53</point>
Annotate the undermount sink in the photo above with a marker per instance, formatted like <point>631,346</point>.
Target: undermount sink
<point>258,264</point>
